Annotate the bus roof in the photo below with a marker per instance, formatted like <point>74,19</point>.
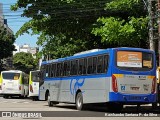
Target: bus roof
<point>95,52</point>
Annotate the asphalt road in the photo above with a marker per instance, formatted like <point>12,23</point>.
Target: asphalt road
<point>28,109</point>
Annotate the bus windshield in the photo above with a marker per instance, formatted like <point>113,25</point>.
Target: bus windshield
<point>133,60</point>
<point>11,76</point>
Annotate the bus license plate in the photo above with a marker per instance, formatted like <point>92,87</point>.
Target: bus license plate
<point>135,88</point>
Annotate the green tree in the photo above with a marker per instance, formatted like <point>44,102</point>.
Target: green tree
<point>127,25</point>
<point>24,61</point>
<point>68,26</point>
<point>68,21</point>
<point>116,31</point>
<point>6,44</point>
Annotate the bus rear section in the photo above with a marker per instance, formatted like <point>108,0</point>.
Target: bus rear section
<point>133,78</point>
<point>34,80</point>
<point>13,84</point>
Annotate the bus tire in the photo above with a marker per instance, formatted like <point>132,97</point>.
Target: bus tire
<point>55,103</point>
<point>35,98</point>
<point>46,95</point>
<point>21,96</point>
<point>79,101</point>
<point>50,103</point>
<point>5,96</point>
<point>24,96</point>
<point>154,105</point>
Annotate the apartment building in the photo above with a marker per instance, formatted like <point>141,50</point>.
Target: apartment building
<point>27,49</point>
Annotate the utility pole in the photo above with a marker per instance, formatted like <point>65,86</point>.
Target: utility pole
<point>151,24</point>
<point>154,31</point>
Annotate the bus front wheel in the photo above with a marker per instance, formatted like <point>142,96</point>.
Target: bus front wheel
<point>79,101</point>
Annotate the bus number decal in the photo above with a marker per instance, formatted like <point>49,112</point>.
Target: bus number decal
<point>123,87</point>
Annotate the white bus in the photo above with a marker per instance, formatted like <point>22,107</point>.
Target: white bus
<point>115,77</point>
<point>14,83</point>
<point>34,78</point>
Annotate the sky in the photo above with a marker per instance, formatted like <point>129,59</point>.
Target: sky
<point>15,21</point>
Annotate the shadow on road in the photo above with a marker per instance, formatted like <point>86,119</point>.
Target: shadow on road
<point>126,109</point>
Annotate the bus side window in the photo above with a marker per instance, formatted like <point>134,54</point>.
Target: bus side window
<point>53,70</point>
<point>85,66</point>
<point>58,69</point>
<point>22,79</point>
<point>100,64</point>
<point>49,70</point>
<point>61,69</point>
<point>43,71</point>
<point>41,76</point>
<point>90,65</point>
<point>71,68</point>
<point>81,62</point>
<point>65,69</point>
<point>68,68</point>
<point>57,66</point>
<point>74,65</point>
<point>94,64</point>
<point>105,63</point>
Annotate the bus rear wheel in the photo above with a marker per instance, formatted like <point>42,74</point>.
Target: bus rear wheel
<point>79,101</point>
<point>5,96</point>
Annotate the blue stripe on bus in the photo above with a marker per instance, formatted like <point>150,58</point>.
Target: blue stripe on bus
<point>151,73</point>
<point>120,97</point>
<point>79,77</point>
<point>98,76</point>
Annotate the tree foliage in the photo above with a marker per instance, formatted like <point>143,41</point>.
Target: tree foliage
<point>69,26</point>
<point>24,61</point>
<point>6,43</point>
<point>62,19</point>
<point>117,31</point>
<point>128,26</point>
<point>125,8</point>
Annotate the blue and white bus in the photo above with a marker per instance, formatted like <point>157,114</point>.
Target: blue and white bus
<point>114,76</point>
